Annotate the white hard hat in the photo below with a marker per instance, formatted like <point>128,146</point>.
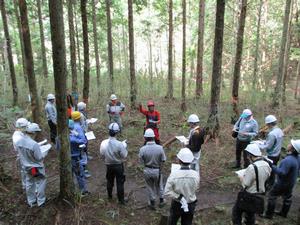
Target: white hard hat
<point>149,133</point>
<point>253,149</point>
<point>185,155</point>
<point>193,118</point>
<point>22,122</point>
<point>33,127</point>
<point>270,119</point>
<point>113,97</point>
<point>81,106</point>
<point>296,145</point>
<point>246,113</point>
<point>50,97</point>
<point>114,127</point>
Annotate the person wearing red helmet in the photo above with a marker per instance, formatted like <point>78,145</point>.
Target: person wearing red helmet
<point>152,119</point>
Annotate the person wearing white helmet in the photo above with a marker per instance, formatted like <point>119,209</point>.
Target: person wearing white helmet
<point>196,139</point>
<point>181,187</point>
<point>115,110</point>
<point>51,115</point>
<point>31,159</point>
<point>114,153</point>
<point>287,173</point>
<point>246,128</point>
<point>81,106</point>
<point>273,144</point>
<point>152,156</point>
<point>253,183</point>
<point>20,125</point>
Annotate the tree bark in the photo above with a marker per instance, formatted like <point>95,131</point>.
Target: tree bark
<point>78,46</point>
<point>42,37</point>
<point>286,60</point>
<point>199,76</point>
<point>133,86</point>
<point>238,60</point>
<point>213,120</point>
<point>86,59</point>
<point>72,47</point>
<point>257,44</point>
<point>170,52</point>
<point>35,106</point>
<point>183,101</point>
<point>60,78</point>
<point>96,50</point>
<point>297,80</point>
<point>21,39</point>
<point>9,54</point>
<point>109,46</point>
<point>278,89</point>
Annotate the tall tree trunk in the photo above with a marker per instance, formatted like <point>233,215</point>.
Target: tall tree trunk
<point>21,39</point>
<point>133,87</point>
<point>86,68</point>
<point>78,45</point>
<point>72,48</point>
<point>35,106</point>
<point>297,80</point>
<point>286,59</point>
<point>183,102</point>
<point>42,37</point>
<point>199,76</point>
<point>9,54</point>
<point>109,46</point>
<point>150,62</point>
<point>278,89</point>
<point>170,52</point>
<point>125,48</point>
<point>60,78</point>
<point>238,61</point>
<point>96,50</point>
<point>257,44</point>
<point>213,120</point>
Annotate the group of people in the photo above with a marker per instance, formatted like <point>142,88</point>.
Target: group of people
<point>182,184</point>
<point>262,176</point>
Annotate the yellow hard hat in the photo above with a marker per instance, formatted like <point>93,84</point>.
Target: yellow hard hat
<point>76,115</point>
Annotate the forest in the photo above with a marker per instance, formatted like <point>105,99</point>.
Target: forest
<point>212,58</point>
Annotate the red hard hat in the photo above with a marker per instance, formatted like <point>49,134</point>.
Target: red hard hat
<point>150,103</point>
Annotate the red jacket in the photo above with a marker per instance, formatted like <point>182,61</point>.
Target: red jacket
<point>151,116</point>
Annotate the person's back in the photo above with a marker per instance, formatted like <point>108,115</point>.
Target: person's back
<point>185,182</point>
<point>113,151</point>
<point>288,171</point>
<point>249,179</point>
<point>152,155</point>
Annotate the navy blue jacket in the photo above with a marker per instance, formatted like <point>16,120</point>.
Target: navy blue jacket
<point>288,171</point>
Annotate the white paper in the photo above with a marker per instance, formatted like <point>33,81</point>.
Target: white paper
<point>92,120</point>
<point>43,142</point>
<point>175,167</point>
<point>90,135</point>
<point>258,142</point>
<point>45,149</point>
<point>241,172</point>
<point>182,139</point>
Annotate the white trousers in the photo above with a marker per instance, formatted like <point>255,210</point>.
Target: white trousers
<point>35,188</point>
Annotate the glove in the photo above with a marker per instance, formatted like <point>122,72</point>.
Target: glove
<point>184,204</point>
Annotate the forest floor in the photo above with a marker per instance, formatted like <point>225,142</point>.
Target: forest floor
<point>218,188</point>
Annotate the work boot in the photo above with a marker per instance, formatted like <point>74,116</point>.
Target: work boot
<point>152,205</point>
<point>284,211</point>
<point>161,203</point>
<point>87,174</point>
